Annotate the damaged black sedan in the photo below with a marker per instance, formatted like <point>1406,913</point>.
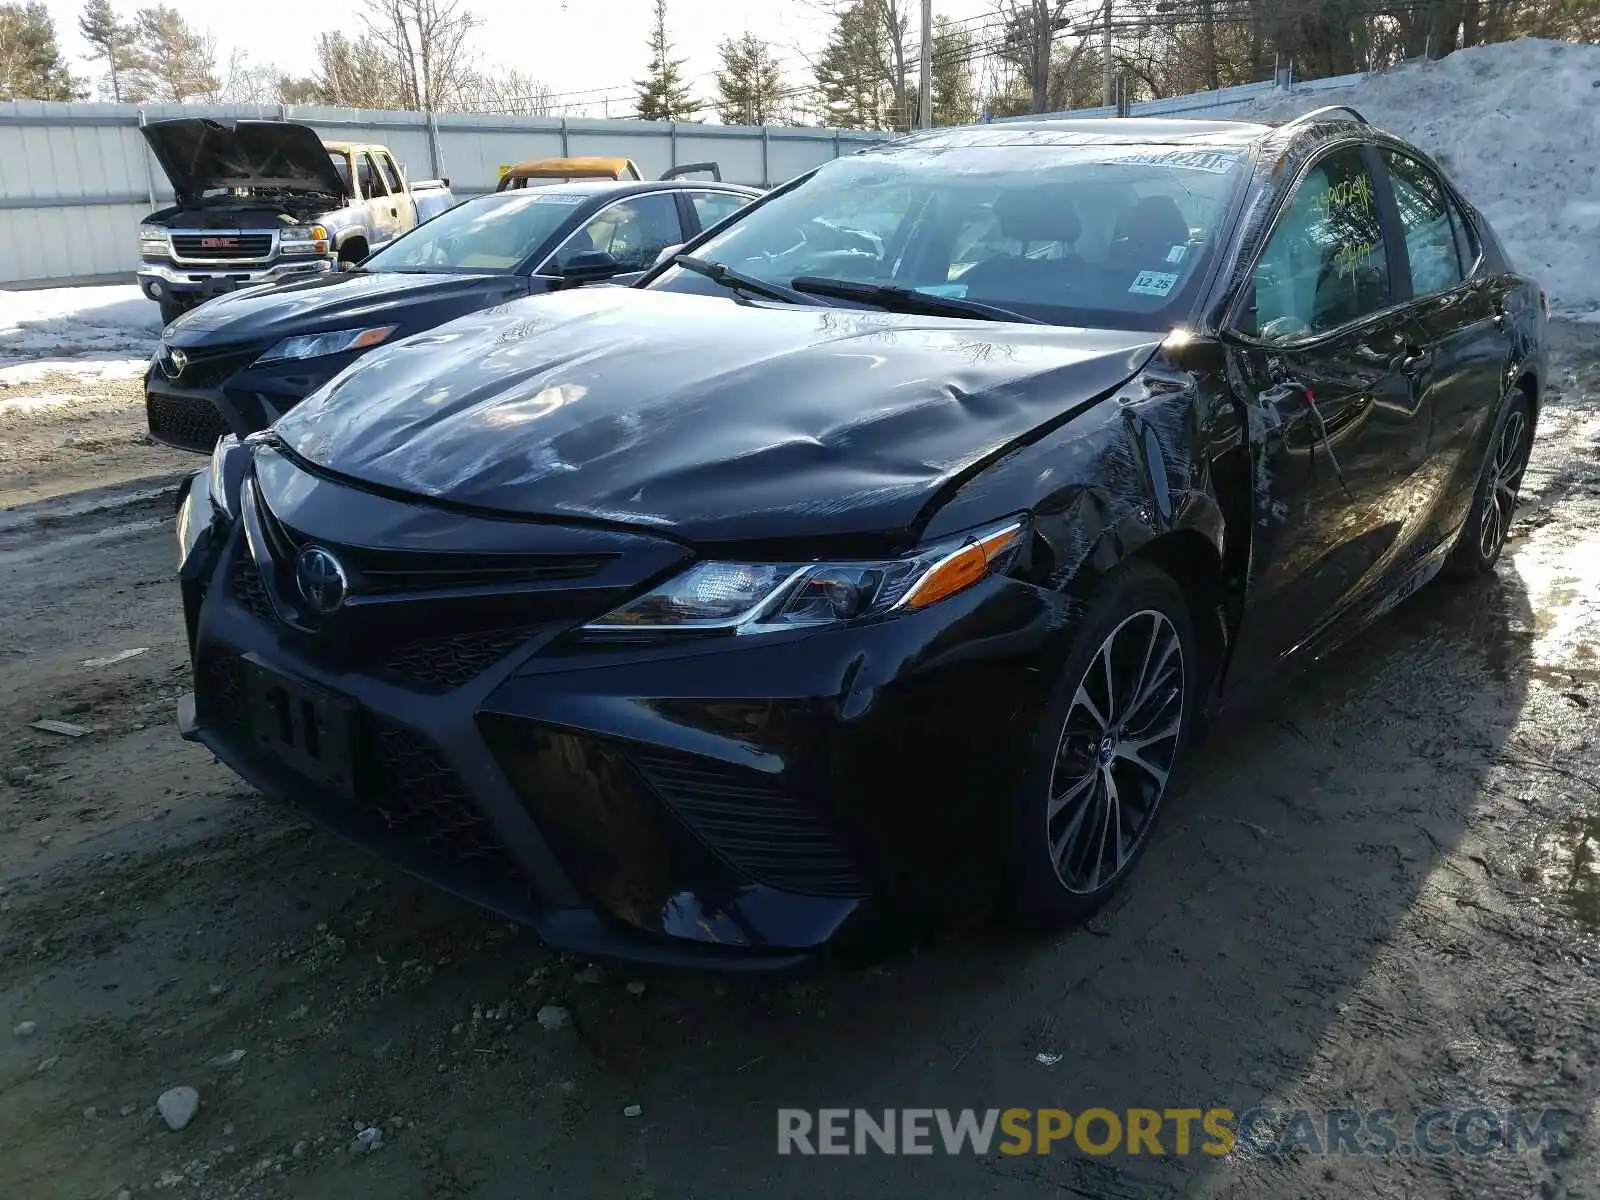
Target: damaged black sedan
<point>880,554</point>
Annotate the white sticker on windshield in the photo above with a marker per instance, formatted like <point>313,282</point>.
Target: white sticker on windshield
<point>1175,255</point>
<point>1153,283</point>
<point>542,197</point>
<point>1216,162</point>
<point>953,291</point>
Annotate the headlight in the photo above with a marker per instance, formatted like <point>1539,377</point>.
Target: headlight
<point>315,345</point>
<point>303,239</point>
<point>229,460</point>
<point>153,241</point>
<point>762,597</point>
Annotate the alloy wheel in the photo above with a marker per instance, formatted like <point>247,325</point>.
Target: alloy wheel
<point>1509,461</point>
<point>1116,750</point>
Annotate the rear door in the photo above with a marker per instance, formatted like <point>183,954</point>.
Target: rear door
<point>405,207</point>
<point>383,213</point>
<point>1459,315</point>
<point>1337,425</point>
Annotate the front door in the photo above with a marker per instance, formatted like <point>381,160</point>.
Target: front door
<point>1337,420</point>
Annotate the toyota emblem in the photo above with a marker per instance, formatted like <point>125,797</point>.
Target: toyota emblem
<point>321,580</point>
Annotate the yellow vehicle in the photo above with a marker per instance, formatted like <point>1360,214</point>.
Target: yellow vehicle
<point>537,172</point>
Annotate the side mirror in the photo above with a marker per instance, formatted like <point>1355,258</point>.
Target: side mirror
<point>1193,353</point>
<point>666,253</point>
<point>590,266</point>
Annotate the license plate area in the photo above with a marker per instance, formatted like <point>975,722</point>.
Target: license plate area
<point>308,730</point>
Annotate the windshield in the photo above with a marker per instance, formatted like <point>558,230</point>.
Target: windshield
<point>490,234</point>
<point>1077,234</point>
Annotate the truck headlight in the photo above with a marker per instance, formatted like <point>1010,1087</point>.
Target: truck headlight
<point>316,345</point>
<point>153,243</point>
<point>304,239</point>
<point>746,598</point>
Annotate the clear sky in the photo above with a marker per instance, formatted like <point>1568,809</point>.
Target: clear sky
<point>580,48</point>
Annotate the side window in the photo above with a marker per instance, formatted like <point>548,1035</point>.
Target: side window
<point>370,185</point>
<point>632,231</point>
<point>1425,218</point>
<point>341,164</point>
<point>391,174</point>
<point>712,207</point>
<point>1323,265</point>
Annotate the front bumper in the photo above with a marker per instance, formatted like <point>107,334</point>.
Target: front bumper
<point>737,806</point>
<point>161,281</point>
<point>227,393</point>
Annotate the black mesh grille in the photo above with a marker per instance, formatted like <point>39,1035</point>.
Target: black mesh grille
<point>247,586</point>
<point>404,783</point>
<point>440,664</point>
<point>752,823</point>
<point>232,246</point>
<point>219,689</point>
<point>190,422</point>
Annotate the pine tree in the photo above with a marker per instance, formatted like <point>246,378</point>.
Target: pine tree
<point>31,64</point>
<point>176,61</point>
<point>850,79</point>
<point>955,90</point>
<point>663,95</point>
<point>750,84</point>
<point>111,39</point>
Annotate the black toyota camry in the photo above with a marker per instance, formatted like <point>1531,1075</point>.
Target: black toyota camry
<point>883,553</point>
<point>238,362</point>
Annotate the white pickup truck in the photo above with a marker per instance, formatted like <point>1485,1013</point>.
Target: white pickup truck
<point>265,201</point>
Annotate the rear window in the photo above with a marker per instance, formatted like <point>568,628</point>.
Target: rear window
<point>490,234</point>
<point>1072,234</point>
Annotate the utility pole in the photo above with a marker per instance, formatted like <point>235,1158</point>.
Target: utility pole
<point>925,82</point>
<point>1105,54</point>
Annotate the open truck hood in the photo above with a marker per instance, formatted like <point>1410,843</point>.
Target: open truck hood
<point>198,154</point>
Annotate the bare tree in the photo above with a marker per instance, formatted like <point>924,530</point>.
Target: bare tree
<point>505,90</point>
<point>426,43</point>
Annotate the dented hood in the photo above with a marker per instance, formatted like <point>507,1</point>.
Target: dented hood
<point>716,420</point>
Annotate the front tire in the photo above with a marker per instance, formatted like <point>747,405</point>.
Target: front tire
<point>1494,502</point>
<point>1104,749</point>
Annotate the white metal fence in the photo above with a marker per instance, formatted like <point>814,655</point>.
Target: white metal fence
<point>75,179</point>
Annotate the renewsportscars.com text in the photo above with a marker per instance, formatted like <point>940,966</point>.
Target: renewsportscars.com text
<point>1216,1132</point>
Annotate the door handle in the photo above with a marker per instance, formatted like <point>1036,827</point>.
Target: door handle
<point>394,212</point>
<point>1415,361</point>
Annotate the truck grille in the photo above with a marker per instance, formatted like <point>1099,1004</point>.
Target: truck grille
<point>221,247</point>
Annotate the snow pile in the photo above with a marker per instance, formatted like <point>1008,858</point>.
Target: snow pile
<point>105,332</point>
<point>1517,127</point>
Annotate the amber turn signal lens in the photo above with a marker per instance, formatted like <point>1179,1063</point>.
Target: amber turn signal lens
<point>962,569</point>
<point>371,337</point>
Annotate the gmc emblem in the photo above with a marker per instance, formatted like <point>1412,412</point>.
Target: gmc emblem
<point>219,243</point>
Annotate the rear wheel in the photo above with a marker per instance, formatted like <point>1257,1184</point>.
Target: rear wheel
<point>1494,504</point>
<point>1104,749</point>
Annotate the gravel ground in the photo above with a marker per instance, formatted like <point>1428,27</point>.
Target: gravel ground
<point>1382,891</point>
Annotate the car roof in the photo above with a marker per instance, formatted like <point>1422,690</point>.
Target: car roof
<point>1078,131</point>
<point>594,187</point>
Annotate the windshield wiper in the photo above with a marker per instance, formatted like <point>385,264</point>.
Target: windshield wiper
<point>738,280</point>
<point>904,299</point>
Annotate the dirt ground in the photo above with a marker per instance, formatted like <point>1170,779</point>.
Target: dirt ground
<point>1383,891</point>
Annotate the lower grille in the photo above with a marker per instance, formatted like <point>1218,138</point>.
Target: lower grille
<point>219,690</point>
<point>189,422</point>
<point>440,664</point>
<point>752,823</point>
<point>402,780</point>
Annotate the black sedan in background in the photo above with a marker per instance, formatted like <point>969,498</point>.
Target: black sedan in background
<point>883,552</point>
<point>239,362</point>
